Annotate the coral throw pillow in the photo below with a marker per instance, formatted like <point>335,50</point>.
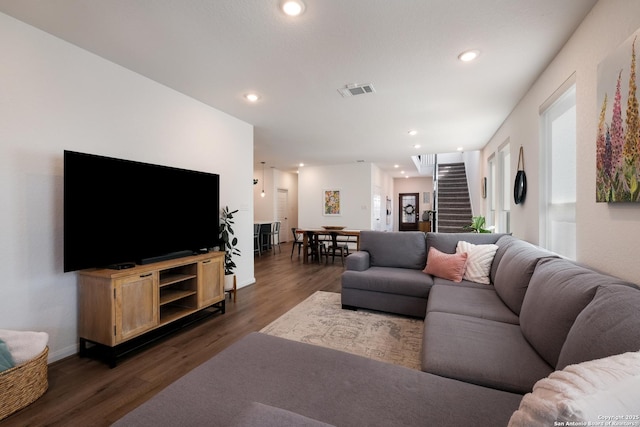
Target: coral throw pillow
<point>446,266</point>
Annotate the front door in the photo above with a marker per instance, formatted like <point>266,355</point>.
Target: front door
<point>409,208</point>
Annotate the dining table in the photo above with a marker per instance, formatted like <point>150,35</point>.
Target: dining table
<point>324,232</point>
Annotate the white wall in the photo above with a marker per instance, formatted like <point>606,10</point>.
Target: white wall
<point>55,96</point>
<point>355,184</point>
<point>264,207</point>
<point>608,235</point>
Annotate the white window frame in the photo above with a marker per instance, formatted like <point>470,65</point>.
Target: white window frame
<point>491,191</point>
<point>499,189</point>
<point>504,218</point>
<point>558,218</point>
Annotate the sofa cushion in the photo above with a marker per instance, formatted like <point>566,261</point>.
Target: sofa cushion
<point>517,260</point>
<point>319,383</point>
<point>609,325</point>
<point>483,303</point>
<point>405,249</point>
<point>390,280</point>
<point>558,292</point>
<point>479,260</point>
<point>503,243</point>
<point>480,351</point>
<point>447,242</point>
<point>446,266</point>
<point>585,392</point>
<point>403,305</point>
<point>260,415</point>
<point>463,284</point>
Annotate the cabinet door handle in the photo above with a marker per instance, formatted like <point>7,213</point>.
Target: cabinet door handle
<point>206,262</point>
<point>146,275</point>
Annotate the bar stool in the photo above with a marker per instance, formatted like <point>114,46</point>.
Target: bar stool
<point>257,249</point>
<point>274,237</point>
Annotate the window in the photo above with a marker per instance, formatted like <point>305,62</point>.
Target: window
<point>491,192</point>
<point>499,190</point>
<point>504,219</point>
<point>558,173</point>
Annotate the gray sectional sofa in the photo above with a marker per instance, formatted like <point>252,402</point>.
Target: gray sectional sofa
<point>386,274</point>
<point>484,347</point>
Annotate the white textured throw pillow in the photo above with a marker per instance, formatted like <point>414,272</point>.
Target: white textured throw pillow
<point>479,259</point>
<point>596,392</point>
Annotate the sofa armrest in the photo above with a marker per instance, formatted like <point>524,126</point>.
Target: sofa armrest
<point>358,261</point>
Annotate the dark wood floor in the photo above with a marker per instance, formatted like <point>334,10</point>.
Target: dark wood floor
<point>85,392</point>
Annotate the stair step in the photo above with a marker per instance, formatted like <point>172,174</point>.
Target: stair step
<point>451,230</point>
<point>453,202</point>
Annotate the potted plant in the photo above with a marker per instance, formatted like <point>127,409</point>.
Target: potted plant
<point>229,242</point>
<point>477,225</point>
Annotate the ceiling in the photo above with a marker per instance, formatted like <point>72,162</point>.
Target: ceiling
<point>216,51</point>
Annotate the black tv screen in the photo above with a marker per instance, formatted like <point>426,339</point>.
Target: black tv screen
<point>120,211</point>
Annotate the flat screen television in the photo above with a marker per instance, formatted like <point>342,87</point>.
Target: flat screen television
<point>118,212</point>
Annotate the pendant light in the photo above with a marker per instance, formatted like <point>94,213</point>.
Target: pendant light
<point>262,194</point>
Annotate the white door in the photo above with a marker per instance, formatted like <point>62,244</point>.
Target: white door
<point>282,209</point>
<point>377,215</point>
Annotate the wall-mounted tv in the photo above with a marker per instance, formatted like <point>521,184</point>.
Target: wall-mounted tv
<point>118,212</point>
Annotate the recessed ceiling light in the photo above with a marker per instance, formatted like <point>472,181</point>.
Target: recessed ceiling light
<point>469,55</point>
<point>292,7</point>
<point>460,148</point>
<point>301,164</point>
<point>252,97</point>
<point>416,146</point>
<point>412,132</point>
<point>396,166</point>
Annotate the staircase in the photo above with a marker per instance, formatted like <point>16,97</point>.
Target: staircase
<point>454,206</point>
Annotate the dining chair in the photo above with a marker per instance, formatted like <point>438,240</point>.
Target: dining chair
<point>316,248</point>
<point>297,241</point>
<point>334,246</point>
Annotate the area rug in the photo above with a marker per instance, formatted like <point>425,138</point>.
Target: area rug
<point>320,320</point>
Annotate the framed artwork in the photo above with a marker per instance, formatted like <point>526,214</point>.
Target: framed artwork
<point>618,138</point>
<point>331,203</point>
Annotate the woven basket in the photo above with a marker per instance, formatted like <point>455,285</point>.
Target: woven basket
<point>23,384</point>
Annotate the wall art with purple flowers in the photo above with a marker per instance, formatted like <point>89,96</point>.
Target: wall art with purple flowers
<point>618,139</point>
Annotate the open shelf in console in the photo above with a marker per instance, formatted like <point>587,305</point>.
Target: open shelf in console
<point>178,292</point>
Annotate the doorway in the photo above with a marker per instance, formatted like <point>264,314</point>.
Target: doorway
<point>282,209</point>
<point>408,213</point>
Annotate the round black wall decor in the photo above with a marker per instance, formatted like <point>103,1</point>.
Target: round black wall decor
<point>520,185</point>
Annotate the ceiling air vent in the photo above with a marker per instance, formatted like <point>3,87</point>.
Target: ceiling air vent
<point>356,89</point>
